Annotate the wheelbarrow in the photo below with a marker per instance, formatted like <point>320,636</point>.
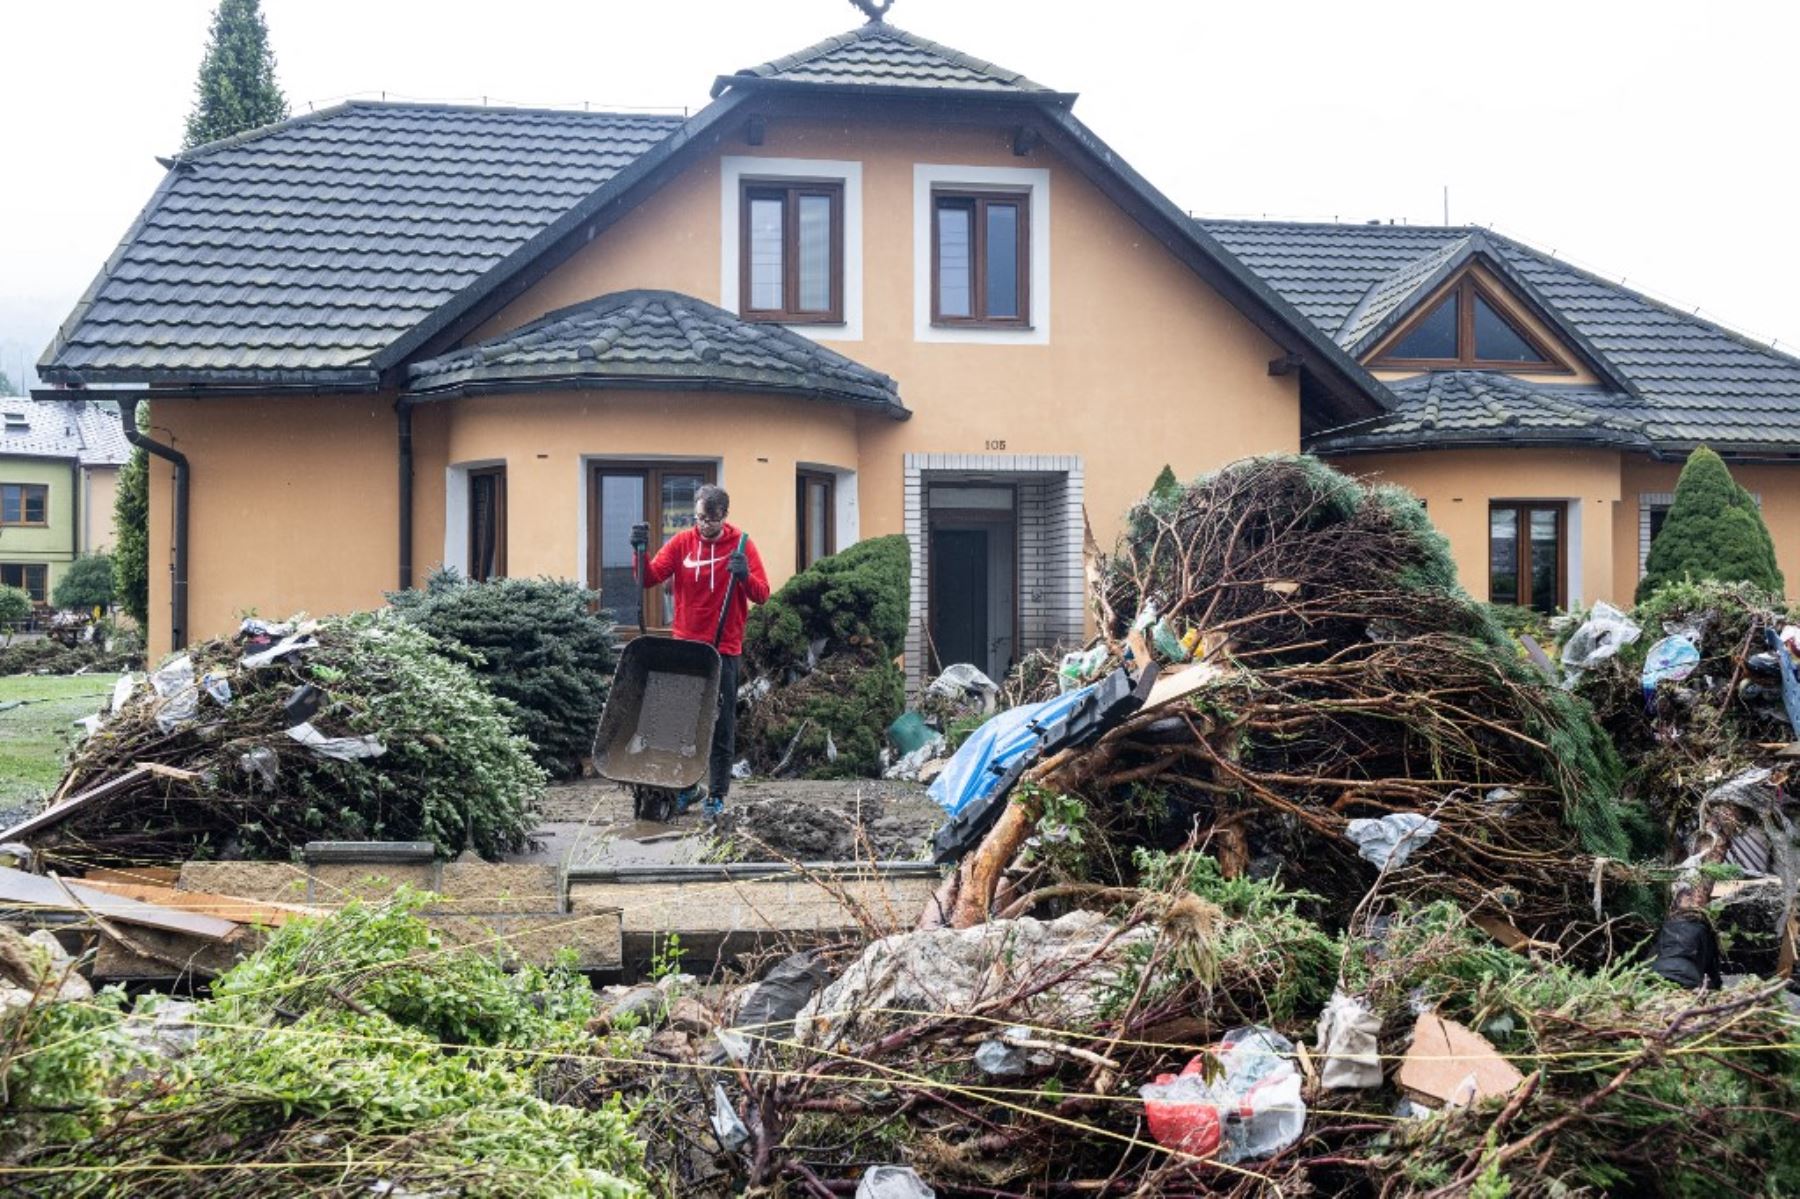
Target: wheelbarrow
<point>655,733</point>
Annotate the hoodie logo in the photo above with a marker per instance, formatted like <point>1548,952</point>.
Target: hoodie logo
<point>694,564</point>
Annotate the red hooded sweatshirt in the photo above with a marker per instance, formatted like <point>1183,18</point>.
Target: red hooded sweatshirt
<point>701,571</point>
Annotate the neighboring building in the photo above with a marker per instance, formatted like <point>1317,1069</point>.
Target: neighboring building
<point>877,286</point>
<point>59,467</point>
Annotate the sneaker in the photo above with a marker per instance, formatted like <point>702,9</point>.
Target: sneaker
<point>714,806</point>
<point>688,797</point>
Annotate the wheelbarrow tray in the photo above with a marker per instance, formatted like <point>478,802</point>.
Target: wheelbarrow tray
<point>656,729</point>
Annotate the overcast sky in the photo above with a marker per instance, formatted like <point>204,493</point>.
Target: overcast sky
<point>1652,141</point>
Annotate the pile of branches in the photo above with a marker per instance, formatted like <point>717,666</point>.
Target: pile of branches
<point>212,766</point>
<point>1357,681</point>
<point>821,682</point>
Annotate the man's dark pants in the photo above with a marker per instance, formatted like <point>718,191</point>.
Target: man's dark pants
<point>724,742</point>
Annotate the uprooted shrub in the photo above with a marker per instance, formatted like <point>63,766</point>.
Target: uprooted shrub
<point>1358,680</point>
<point>540,644</point>
<point>820,656</point>
<point>350,1056</point>
<point>450,769</point>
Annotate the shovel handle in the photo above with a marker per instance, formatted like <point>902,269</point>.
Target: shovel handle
<point>730,588</point>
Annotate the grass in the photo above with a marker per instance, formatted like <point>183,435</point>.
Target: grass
<point>33,737</point>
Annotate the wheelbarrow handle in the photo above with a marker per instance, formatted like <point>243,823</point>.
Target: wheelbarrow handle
<point>730,588</point>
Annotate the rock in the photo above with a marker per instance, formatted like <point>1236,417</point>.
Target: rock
<point>644,1004</point>
<point>690,1015</point>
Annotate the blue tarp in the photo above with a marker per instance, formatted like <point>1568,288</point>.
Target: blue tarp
<point>979,768</point>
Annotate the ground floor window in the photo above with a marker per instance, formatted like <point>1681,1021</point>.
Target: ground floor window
<point>1528,555</point>
<point>815,511</point>
<point>30,577</point>
<point>659,494</point>
<point>487,523</point>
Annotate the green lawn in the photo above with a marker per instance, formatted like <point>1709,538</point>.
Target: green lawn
<point>34,737</point>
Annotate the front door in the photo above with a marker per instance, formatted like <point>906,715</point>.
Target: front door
<point>959,596</point>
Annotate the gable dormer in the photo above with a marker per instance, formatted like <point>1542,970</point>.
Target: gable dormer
<point>1473,321</point>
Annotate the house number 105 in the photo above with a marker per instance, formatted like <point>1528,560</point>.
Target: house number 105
<point>994,443</point>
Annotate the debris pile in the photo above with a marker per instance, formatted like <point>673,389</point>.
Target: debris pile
<point>1352,713</point>
<point>820,680</point>
<point>356,728</point>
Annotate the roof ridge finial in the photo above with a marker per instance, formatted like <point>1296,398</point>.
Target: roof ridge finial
<point>873,10</point>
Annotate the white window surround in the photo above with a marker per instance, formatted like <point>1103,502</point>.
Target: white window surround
<point>456,511</point>
<point>733,170</point>
<point>1036,181</point>
<point>846,522</point>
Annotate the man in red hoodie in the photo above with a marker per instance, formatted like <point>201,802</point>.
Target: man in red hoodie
<point>703,561</point>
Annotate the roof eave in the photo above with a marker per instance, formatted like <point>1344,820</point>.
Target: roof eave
<point>93,383</point>
<point>500,384</point>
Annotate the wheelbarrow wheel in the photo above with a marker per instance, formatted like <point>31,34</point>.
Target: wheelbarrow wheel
<point>654,804</point>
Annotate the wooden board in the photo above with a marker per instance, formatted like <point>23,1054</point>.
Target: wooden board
<point>226,907</point>
<point>1451,1065</point>
<point>157,876</point>
<point>1172,685</point>
<point>34,892</point>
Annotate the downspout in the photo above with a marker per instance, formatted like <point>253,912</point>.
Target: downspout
<point>403,413</point>
<point>178,587</point>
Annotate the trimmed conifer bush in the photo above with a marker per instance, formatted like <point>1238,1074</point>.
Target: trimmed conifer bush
<point>87,583</point>
<point>1713,531</point>
<point>538,643</point>
<point>854,599</point>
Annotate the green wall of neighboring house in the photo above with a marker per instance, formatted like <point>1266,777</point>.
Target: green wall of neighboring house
<point>53,544</point>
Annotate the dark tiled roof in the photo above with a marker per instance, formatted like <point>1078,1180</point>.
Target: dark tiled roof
<point>313,244</point>
<point>658,339</point>
<point>87,431</point>
<point>881,55</point>
<point>1684,380</point>
<point>1489,408</point>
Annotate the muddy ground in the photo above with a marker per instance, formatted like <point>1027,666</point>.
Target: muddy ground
<point>589,822</point>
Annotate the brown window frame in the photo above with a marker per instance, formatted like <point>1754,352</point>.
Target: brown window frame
<point>25,489</point>
<point>498,513</point>
<point>790,191</point>
<point>652,472</point>
<point>802,481</point>
<point>978,318</point>
<point>1522,510</point>
<point>1466,288</point>
<point>42,593</point>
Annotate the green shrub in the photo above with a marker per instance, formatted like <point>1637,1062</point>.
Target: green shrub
<point>539,644</point>
<point>1713,531</point>
<point>15,604</point>
<point>131,530</point>
<point>86,584</point>
<point>848,701</point>
<point>855,599</point>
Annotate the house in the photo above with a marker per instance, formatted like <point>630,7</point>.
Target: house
<point>59,468</point>
<point>874,286</point>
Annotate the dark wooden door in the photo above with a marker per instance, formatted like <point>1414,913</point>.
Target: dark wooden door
<point>959,596</point>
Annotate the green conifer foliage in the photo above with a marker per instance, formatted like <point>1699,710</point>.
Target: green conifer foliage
<point>87,583</point>
<point>236,89</point>
<point>131,532</point>
<point>1713,531</point>
<point>1167,486</point>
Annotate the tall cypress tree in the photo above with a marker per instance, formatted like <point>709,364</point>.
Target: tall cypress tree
<point>236,89</point>
<point>131,533</point>
<point>1714,530</point>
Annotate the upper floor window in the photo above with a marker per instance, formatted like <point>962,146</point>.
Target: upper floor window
<point>791,252</point>
<point>980,258</point>
<point>1467,329</point>
<point>24,503</point>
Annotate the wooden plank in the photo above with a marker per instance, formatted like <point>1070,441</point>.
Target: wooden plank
<point>53,816</point>
<point>226,907</point>
<point>158,876</point>
<point>31,891</point>
<point>1176,684</point>
<point>170,772</point>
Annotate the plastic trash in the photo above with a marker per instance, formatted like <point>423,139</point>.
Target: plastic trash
<point>893,1182</point>
<point>769,1009</point>
<point>344,749</point>
<point>1605,632</point>
<point>174,684</point>
<point>274,630</point>
<point>1349,1045</point>
<point>1003,1059</point>
<point>909,766</point>
<point>121,692</point>
<point>966,684</point>
<point>908,732</point>
<point>1670,660</point>
<point>1392,839</point>
<point>291,644</point>
<point>1786,648</point>
<point>1079,666</point>
<point>730,1130</point>
<point>740,769</point>
<point>217,686</point>
<point>1253,1109</point>
<point>1167,643</point>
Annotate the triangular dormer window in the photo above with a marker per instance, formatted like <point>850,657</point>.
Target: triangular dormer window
<point>1467,328</point>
